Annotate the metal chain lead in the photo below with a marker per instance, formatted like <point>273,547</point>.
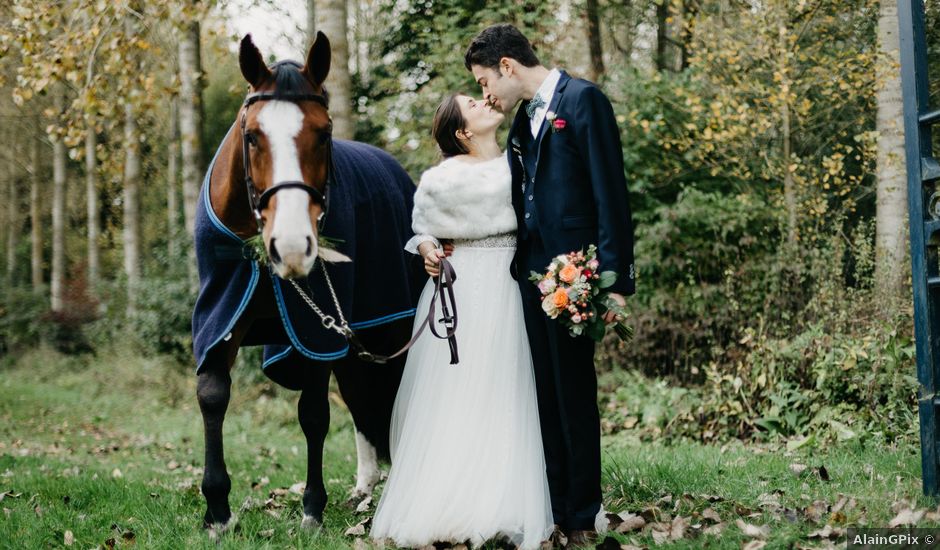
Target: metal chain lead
<point>328,321</point>
<point>329,285</point>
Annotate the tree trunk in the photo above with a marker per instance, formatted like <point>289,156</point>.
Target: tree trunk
<point>12,222</point>
<point>662,34</point>
<point>172,170</point>
<point>594,40</point>
<point>311,21</point>
<point>331,19</point>
<point>58,211</point>
<point>891,238</point>
<point>789,186</point>
<point>190,107</point>
<point>35,215</point>
<point>91,201</point>
<point>689,11</point>
<point>131,226</point>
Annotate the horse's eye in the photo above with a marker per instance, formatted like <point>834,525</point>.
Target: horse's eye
<point>252,139</point>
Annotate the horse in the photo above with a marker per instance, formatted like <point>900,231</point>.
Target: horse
<point>336,288</point>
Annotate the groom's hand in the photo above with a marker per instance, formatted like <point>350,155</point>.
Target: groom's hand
<point>611,317</point>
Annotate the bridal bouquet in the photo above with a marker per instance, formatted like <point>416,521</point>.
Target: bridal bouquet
<point>573,292</point>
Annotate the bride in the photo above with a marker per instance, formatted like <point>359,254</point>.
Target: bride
<point>467,461</point>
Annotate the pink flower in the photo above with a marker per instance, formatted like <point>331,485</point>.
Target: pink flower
<point>592,265</point>
<point>546,286</point>
<point>559,124</point>
<point>576,318</point>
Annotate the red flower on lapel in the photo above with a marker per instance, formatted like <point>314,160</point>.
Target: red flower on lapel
<point>558,124</point>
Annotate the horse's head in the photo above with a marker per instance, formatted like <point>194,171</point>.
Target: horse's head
<point>286,137</point>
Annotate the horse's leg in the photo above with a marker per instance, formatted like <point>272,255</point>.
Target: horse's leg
<point>369,391</point>
<point>367,468</point>
<point>313,411</point>
<point>213,390</point>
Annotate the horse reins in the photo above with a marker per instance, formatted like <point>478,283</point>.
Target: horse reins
<point>443,283</point>
<point>443,292</point>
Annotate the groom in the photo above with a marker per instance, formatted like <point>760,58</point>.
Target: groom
<point>568,191</point>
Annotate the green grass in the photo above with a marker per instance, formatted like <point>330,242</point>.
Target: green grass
<point>67,425</point>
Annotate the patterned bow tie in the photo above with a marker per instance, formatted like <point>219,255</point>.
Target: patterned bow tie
<point>534,105</point>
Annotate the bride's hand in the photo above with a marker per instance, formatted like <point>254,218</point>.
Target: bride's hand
<point>432,262</point>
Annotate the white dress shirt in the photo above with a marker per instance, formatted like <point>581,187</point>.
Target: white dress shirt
<point>546,91</point>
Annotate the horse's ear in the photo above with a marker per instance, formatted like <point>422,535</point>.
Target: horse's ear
<point>318,59</point>
<point>252,63</point>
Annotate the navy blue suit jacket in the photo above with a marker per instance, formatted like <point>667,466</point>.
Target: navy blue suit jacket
<point>580,192</point>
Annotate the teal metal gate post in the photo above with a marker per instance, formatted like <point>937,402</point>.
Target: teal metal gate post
<point>923,172</point>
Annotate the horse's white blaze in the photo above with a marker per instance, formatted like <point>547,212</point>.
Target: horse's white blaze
<point>281,121</point>
<point>367,470</point>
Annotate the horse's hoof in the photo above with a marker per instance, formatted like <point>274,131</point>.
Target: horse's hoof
<point>359,499</point>
<point>217,530</point>
<point>310,523</point>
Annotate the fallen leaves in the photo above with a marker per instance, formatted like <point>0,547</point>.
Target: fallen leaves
<point>753,531</point>
<point>802,470</point>
<point>360,528</point>
<point>827,532</point>
<point>625,522</point>
<point>363,506</point>
<point>711,515</point>
<point>815,511</point>
<point>907,517</point>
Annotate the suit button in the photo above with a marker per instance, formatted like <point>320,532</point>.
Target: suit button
<point>527,215</point>
<point>533,179</point>
<point>531,197</point>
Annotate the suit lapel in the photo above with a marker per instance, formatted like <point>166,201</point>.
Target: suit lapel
<point>514,151</point>
<point>553,107</point>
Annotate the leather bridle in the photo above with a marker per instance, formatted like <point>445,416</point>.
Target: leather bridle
<point>258,201</point>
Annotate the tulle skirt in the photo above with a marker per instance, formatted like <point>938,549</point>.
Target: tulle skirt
<point>467,461</point>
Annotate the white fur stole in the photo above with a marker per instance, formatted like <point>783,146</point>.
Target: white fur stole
<point>459,200</point>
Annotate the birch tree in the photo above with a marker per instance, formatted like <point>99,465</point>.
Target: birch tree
<point>891,239</point>
<point>59,159</point>
<point>35,217</point>
<point>331,19</point>
<point>190,110</point>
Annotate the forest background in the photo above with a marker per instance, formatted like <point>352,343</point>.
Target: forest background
<point>763,149</point>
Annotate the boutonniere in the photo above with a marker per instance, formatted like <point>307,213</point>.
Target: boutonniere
<point>558,124</point>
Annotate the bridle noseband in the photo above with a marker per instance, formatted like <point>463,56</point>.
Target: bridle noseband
<point>258,201</point>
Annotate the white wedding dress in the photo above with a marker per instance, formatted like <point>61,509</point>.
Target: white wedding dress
<point>467,461</point>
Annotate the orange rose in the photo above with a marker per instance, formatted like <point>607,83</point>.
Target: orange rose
<point>568,273</point>
<point>560,297</point>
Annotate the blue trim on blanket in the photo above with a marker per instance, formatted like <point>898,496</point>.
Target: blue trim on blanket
<point>276,358</point>
<point>207,200</point>
<point>289,328</point>
<point>246,298</point>
<point>383,320</point>
<point>255,272</point>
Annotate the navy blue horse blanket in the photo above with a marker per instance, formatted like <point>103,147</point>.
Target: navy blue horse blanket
<point>369,219</point>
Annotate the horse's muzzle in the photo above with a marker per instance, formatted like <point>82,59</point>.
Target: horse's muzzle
<point>293,257</point>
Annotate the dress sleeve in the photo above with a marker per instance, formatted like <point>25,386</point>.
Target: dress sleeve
<point>413,243</point>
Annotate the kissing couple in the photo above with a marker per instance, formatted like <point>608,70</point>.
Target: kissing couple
<point>505,446</point>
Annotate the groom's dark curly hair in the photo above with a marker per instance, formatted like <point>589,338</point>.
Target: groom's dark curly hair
<point>496,42</point>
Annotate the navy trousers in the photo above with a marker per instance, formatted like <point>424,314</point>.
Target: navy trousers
<point>566,384</point>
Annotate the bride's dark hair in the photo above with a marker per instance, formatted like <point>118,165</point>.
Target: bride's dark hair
<point>448,120</point>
